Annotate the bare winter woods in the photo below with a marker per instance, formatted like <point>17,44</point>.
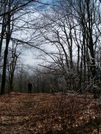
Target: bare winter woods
<point>67,36</point>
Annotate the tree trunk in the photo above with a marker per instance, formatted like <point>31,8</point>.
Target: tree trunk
<point>8,35</point>
<point>4,68</point>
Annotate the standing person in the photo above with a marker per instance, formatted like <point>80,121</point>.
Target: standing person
<point>29,87</point>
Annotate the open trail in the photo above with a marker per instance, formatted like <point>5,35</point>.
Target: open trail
<point>22,113</point>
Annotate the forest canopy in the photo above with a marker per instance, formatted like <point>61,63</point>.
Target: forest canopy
<point>65,34</point>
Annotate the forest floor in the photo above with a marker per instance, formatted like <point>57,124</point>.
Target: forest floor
<point>22,113</point>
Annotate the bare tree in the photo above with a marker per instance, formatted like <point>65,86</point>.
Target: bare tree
<point>10,12</point>
<point>73,28</point>
<point>11,66</point>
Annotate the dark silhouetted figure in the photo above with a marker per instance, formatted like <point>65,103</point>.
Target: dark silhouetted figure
<point>30,87</point>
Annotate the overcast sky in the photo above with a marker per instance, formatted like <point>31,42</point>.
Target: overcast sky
<point>31,56</point>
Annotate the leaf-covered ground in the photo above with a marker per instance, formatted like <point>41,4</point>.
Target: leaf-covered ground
<point>22,113</point>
